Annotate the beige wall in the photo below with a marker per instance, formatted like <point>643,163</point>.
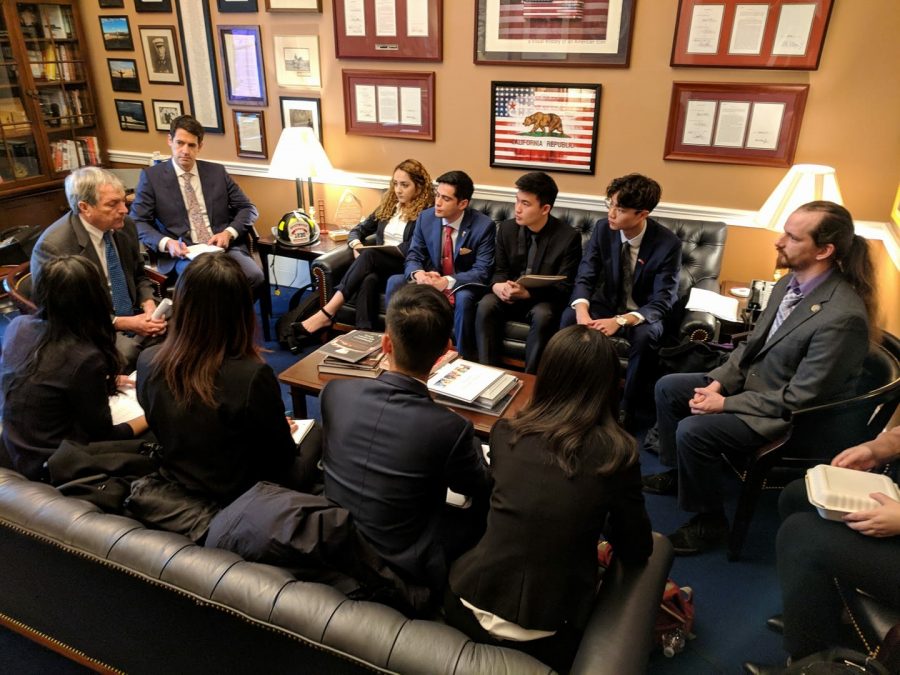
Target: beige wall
<point>851,118</point>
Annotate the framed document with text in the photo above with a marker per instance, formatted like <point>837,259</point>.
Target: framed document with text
<point>389,103</point>
<point>245,80</point>
<point>735,123</point>
<point>774,34</point>
<point>407,30</point>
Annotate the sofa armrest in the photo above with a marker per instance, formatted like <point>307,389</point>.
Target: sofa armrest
<point>329,269</point>
<point>619,634</point>
<point>693,320</point>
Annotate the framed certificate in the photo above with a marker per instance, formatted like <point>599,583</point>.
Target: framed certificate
<point>389,103</point>
<point>250,134</point>
<point>245,80</point>
<point>785,34</point>
<point>735,123</point>
<point>408,30</point>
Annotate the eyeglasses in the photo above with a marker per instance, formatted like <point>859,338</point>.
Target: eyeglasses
<point>615,208</point>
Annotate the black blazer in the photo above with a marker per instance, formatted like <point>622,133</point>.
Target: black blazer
<point>373,225</point>
<point>536,564</point>
<point>558,253</point>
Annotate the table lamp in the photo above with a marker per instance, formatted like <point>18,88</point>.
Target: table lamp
<point>803,183</point>
<point>299,155</point>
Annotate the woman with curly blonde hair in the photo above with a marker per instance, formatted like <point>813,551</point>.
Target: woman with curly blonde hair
<point>392,223</point>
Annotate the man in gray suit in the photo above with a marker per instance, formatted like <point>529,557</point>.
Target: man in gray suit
<point>98,229</point>
<point>807,348</point>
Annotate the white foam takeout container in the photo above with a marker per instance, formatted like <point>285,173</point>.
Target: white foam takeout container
<point>836,491</point>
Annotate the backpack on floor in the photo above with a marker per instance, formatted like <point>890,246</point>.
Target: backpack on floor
<point>300,307</point>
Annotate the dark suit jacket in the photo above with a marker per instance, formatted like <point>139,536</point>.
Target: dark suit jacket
<point>558,253</point>
<point>814,356</point>
<point>373,225</point>
<point>390,453</point>
<point>67,236</point>
<point>655,286</point>
<point>159,211</point>
<point>536,564</point>
<point>477,233</point>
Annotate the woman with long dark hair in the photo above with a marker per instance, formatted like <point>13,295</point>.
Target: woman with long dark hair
<point>59,368</point>
<point>392,223</point>
<point>560,467</point>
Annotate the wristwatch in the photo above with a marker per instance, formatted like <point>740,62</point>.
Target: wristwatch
<point>621,320</point>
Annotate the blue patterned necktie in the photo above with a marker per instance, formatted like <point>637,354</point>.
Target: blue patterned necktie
<point>790,300</point>
<point>122,305</point>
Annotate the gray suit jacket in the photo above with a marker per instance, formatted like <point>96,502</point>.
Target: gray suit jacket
<point>67,236</point>
<point>814,357</point>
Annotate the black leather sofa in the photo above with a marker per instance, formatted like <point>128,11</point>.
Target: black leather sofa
<point>115,595</point>
<point>701,261</point>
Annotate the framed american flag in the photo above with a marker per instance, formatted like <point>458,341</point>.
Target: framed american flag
<point>553,32</point>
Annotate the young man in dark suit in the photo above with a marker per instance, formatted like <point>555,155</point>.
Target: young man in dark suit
<point>628,280</point>
<point>807,348</point>
<point>188,201</point>
<point>534,242</point>
<point>452,250</point>
<point>390,452</point>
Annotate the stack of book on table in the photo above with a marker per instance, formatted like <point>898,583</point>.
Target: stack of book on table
<point>355,354</point>
<point>464,384</point>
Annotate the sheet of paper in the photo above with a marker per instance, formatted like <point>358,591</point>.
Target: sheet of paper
<point>794,26</point>
<point>124,406</point>
<point>718,305</point>
<point>198,249</point>
<point>243,75</point>
<point>698,123</point>
<point>385,18</point>
<point>417,18</point>
<point>411,106</point>
<point>250,133</point>
<point>354,18</point>
<point>748,29</point>
<point>366,110</point>
<point>303,427</point>
<point>388,105</point>
<point>732,123</point>
<point>706,25</point>
<point>765,126</point>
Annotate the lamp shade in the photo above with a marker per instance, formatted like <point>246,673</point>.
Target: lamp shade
<point>803,183</point>
<point>299,155</point>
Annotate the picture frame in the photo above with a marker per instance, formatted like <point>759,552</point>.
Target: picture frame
<point>112,4</point>
<point>407,30</point>
<point>554,111</point>
<point>516,32</point>
<point>153,5</point>
<point>393,104</point>
<point>772,34</point>
<point>242,6</point>
<point>200,69</point>
<point>297,60</point>
<point>756,124</point>
<point>123,75</point>
<point>131,115</point>
<point>302,112</point>
<point>294,6</point>
<point>250,134</point>
<point>116,33</point>
<point>161,52</point>
<point>245,79</point>
<point>164,111</point>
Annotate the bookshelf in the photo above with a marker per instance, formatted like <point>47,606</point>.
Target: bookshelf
<point>48,118</point>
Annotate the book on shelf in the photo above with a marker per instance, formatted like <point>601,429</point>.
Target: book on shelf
<point>12,111</point>
<point>52,19</point>
<point>539,280</point>
<point>463,380</point>
<point>353,346</point>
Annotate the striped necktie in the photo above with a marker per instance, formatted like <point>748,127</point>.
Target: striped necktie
<point>199,228</point>
<point>790,300</point>
<point>121,298</point>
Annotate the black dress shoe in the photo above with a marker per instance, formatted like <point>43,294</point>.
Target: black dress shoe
<point>760,669</point>
<point>665,483</point>
<point>776,624</point>
<point>701,533</point>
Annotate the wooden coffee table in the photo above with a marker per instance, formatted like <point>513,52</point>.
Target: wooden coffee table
<point>303,378</point>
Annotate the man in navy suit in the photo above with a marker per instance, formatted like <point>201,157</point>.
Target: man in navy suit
<point>187,201</point>
<point>390,452</point>
<point>452,249</point>
<point>628,279</point>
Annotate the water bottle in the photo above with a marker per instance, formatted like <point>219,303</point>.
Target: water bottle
<point>673,642</point>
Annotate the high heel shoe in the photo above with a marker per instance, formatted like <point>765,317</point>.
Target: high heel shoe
<point>304,338</point>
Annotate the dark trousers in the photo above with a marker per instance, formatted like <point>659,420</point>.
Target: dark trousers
<point>363,281</point>
<point>811,553</point>
<point>493,313</point>
<point>643,342</point>
<point>694,443</point>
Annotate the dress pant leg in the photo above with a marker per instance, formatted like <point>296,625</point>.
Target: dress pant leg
<point>542,325</point>
<point>568,318</point>
<point>248,266</point>
<point>672,395</point>
<point>464,323</point>
<point>489,320</point>
<point>363,281</point>
<point>393,284</point>
<point>644,340</point>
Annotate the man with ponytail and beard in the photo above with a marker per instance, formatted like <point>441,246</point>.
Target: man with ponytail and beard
<point>806,349</point>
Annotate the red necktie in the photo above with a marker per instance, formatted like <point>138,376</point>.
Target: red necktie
<point>447,258</point>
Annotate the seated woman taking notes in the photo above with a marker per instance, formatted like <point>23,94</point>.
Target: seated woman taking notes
<point>560,466</point>
<point>411,192</point>
<point>59,368</point>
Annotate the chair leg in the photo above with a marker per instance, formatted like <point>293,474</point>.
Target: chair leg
<point>746,506</point>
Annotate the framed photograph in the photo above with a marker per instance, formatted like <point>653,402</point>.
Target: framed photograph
<point>302,112</point>
<point>245,79</point>
<point>735,123</point>
<point>164,112</point>
<point>226,6</point>
<point>389,103</point>
<point>544,125</point>
<point>250,134</point>
<point>297,61</point>
<point>200,69</point>
<point>123,75</point>
<point>774,34</point>
<point>112,4</point>
<point>294,5</point>
<point>116,33</point>
<point>408,30</point>
<point>131,114</point>
<point>160,54</point>
<point>542,33</point>
<point>153,5</point>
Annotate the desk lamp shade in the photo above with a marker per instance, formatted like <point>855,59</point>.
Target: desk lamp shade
<point>299,156</point>
<point>803,183</point>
